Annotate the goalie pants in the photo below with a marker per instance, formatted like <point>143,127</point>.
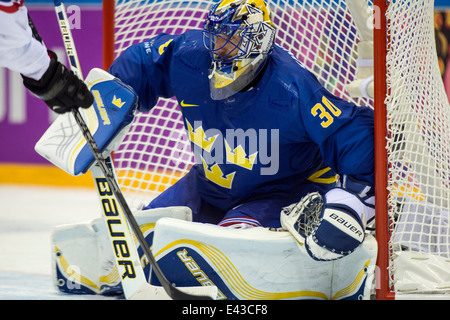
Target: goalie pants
<point>260,211</point>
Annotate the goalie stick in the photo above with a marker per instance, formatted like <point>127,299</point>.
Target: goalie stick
<point>133,280</point>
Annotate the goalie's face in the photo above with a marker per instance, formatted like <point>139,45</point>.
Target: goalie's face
<point>225,41</point>
<point>226,47</point>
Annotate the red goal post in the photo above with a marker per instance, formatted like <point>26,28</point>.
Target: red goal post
<point>412,157</point>
<point>381,222</point>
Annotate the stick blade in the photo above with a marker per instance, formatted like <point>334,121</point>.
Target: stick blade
<point>150,292</point>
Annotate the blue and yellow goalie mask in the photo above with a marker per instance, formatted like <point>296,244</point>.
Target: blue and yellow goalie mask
<point>239,34</point>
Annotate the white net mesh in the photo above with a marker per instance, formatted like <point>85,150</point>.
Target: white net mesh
<point>418,116</point>
<point>156,152</point>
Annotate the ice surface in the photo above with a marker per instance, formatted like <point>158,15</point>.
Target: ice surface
<point>28,215</point>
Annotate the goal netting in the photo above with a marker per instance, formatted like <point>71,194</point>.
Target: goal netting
<point>333,39</point>
<point>418,145</point>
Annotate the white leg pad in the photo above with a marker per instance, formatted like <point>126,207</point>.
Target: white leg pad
<point>82,257</point>
<point>257,263</point>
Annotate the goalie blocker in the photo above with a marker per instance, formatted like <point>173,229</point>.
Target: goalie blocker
<point>108,120</point>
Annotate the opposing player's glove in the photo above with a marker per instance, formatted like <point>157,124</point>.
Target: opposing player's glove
<point>60,88</point>
<point>331,226</point>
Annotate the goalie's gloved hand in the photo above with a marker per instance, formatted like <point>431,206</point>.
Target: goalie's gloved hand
<point>331,226</point>
<point>60,88</point>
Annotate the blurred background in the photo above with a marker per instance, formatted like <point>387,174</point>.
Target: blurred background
<point>23,117</point>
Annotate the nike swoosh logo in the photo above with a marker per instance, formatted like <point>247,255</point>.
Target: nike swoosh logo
<point>187,104</point>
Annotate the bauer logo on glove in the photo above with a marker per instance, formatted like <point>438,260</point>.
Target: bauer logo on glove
<point>330,226</point>
<point>108,120</point>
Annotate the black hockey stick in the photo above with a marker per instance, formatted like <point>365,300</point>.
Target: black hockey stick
<point>107,170</point>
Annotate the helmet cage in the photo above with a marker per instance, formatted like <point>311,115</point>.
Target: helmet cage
<point>227,32</point>
<point>246,29</point>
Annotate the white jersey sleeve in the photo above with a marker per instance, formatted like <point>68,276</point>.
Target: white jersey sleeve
<point>19,51</point>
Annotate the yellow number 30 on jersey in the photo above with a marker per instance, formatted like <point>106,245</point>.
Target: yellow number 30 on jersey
<point>324,114</point>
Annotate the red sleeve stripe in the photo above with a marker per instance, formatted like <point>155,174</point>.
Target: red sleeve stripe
<point>11,6</point>
<point>239,220</point>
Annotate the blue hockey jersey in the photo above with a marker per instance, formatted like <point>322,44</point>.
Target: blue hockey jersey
<point>285,130</point>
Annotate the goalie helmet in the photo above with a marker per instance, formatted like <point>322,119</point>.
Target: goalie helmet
<point>239,34</point>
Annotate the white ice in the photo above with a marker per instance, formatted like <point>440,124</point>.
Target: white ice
<point>28,215</point>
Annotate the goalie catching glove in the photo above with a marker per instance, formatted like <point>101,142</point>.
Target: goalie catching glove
<point>60,88</point>
<point>331,226</point>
